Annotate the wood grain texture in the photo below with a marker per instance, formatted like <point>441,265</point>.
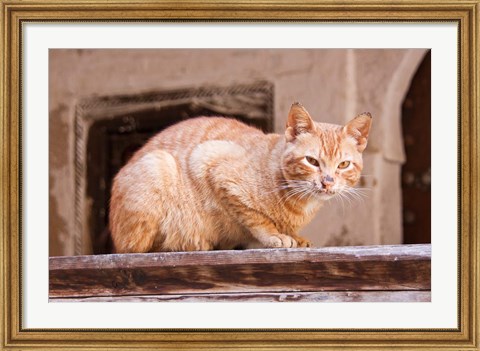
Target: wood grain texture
<point>327,296</point>
<point>390,268</point>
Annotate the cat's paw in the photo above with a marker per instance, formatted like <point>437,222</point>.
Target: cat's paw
<point>302,242</point>
<point>281,241</point>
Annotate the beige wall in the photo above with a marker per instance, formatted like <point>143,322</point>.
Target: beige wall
<point>334,85</point>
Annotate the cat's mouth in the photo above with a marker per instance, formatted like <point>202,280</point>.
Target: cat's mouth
<point>325,193</point>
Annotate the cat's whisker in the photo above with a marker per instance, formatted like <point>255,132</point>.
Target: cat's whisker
<point>356,194</point>
<point>297,184</point>
<point>339,199</point>
<point>282,187</point>
<point>350,191</point>
<point>347,198</point>
<point>343,206</point>
<point>278,189</point>
<point>363,192</point>
<point>290,193</point>
<point>311,194</point>
<point>306,192</point>
<point>297,191</point>
<point>356,198</point>
<point>359,189</point>
<point>360,193</point>
<point>285,184</point>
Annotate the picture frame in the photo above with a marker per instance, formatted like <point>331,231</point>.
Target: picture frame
<point>465,14</point>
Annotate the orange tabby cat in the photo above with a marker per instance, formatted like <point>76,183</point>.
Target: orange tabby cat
<point>216,183</point>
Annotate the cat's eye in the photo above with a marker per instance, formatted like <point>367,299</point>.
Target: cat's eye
<point>344,164</point>
<point>312,161</point>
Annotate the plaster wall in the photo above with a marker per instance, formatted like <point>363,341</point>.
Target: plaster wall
<point>334,85</point>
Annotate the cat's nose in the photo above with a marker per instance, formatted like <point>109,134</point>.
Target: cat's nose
<point>327,182</point>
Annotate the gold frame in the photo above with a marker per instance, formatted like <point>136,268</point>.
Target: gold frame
<point>465,13</point>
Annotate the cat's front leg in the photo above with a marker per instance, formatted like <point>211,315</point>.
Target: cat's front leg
<point>222,165</point>
<point>278,241</point>
<point>282,240</point>
<point>269,237</point>
<point>261,228</point>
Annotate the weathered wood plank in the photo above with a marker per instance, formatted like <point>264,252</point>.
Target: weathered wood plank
<point>165,259</point>
<point>329,296</point>
<point>398,267</point>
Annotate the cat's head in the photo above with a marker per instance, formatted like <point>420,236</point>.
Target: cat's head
<point>322,159</point>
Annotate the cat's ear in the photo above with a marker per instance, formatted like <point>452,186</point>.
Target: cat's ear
<point>358,129</point>
<point>298,122</point>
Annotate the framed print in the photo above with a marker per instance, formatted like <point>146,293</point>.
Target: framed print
<point>181,120</point>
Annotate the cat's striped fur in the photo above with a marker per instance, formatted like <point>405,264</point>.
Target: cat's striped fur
<point>216,183</point>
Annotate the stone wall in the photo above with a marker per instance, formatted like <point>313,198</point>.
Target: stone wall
<point>334,85</point>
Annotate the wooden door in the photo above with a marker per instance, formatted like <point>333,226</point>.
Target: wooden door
<point>416,172</point>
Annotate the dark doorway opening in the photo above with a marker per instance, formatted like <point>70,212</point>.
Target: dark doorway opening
<point>416,172</point>
<point>112,139</point>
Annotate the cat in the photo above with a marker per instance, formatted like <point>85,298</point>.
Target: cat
<point>215,183</point>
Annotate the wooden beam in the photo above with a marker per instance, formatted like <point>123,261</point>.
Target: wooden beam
<point>389,268</point>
